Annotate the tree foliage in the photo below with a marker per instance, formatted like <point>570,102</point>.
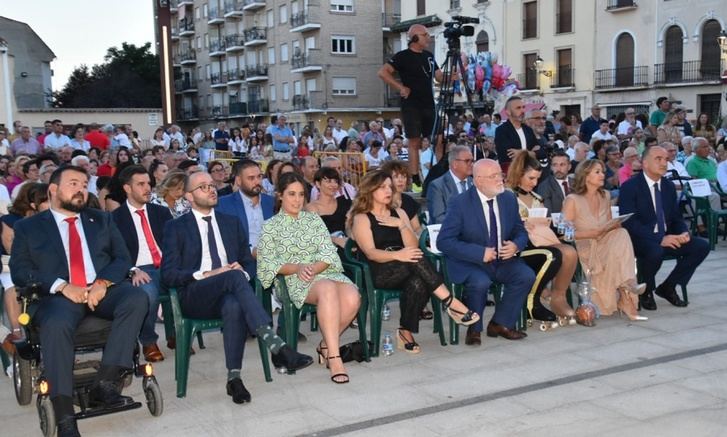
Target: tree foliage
<point>128,78</point>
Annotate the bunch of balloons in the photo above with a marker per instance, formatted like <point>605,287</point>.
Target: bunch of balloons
<point>486,78</point>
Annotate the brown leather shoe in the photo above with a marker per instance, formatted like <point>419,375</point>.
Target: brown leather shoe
<point>8,345</point>
<point>172,344</point>
<point>473,338</point>
<point>152,353</point>
<point>494,330</point>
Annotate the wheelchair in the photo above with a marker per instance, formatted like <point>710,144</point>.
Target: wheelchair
<point>90,337</point>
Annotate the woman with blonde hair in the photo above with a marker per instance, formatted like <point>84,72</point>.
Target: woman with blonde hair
<point>604,247</point>
<point>668,131</point>
<point>170,194</point>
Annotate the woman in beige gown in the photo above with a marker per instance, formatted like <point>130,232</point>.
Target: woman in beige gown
<point>604,247</point>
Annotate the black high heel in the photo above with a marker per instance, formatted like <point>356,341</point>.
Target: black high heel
<point>337,375</point>
<point>466,319</point>
<point>410,346</point>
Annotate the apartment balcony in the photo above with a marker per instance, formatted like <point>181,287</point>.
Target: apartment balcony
<point>215,16</point>
<point>186,27</point>
<point>253,5</point>
<point>305,21</point>
<point>620,5</point>
<point>686,72</point>
<point>175,33</point>
<point>188,114</point>
<point>237,109</point>
<point>258,106</point>
<point>255,36</point>
<point>233,9</point>
<point>563,78</point>
<point>388,20</point>
<point>188,57</point>
<point>616,78</point>
<point>236,77</point>
<point>257,73</point>
<point>183,3</point>
<point>234,43</point>
<point>218,80</point>
<point>177,61</point>
<point>217,48</point>
<point>307,62</point>
<point>219,112</point>
<point>300,102</point>
<point>186,84</point>
<point>173,6</point>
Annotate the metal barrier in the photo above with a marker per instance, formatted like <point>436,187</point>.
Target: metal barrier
<point>353,164</point>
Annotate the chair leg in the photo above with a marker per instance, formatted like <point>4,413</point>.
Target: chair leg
<point>438,326</point>
<point>181,357</point>
<point>292,325</point>
<point>457,290</point>
<point>313,322</point>
<point>200,341</point>
<point>361,317</point>
<point>265,359</point>
<point>375,313</point>
<point>168,319</point>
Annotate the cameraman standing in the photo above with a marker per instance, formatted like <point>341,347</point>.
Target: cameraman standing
<point>416,67</point>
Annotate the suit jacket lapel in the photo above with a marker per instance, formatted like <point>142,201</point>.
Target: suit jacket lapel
<point>90,231</point>
<point>194,252</point>
<point>228,241</point>
<point>240,207</point>
<point>479,213</point>
<point>54,236</point>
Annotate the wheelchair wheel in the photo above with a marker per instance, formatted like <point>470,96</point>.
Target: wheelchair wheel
<point>153,393</point>
<point>22,380</point>
<point>47,416</point>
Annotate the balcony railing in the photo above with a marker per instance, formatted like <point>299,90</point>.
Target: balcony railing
<point>186,83</point>
<point>388,20</point>
<point>530,28</point>
<point>234,41</point>
<point>564,22</point>
<point>310,61</point>
<point>188,56</point>
<point>238,108</point>
<point>621,77</point>
<point>251,5</point>
<point>255,34</point>
<point>254,71</point>
<point>214,16</point>
<point>219,111</point>
<point>257,106</point>
<point>305,20</point>
<point>186,25</point>
<point>564,77</point>
<point>235,75</point>
<point>300,102</point>
<point>187,113</point>
<point>233,7</point>
<point>217,45</point>
<point>685,72</point>
<point>618,4</point>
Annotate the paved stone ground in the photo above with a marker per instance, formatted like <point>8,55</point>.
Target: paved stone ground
<point>666,376</point>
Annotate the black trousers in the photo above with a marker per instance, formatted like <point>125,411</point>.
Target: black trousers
<point>537,262</point>
<point>689,257</point>
<point>57,319</point>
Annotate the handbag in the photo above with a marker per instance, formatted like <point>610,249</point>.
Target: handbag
<point>354,351</point>
<point>542,235</point>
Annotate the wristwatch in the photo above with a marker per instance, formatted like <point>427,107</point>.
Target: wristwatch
<point>132,270</point>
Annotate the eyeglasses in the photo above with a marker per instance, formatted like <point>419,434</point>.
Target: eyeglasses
<point>217,170</point>
<point>466,161</point>
<point>537,118</point>
<point>495,177</point>
<point>206,188</point>
<point>630,113</point>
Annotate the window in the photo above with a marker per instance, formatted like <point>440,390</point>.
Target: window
<point>272,93</point>
<point>271,55</point>
<point>454,4</point>
<point>310,85</point>
<point>421,7</point>
<point>341,5</point>
<point>564,16</point>
<point>530,20</point>
<point>196,13</point>
<point>673,54</point>
<point>709,66</point>
<point>343,44</point>
<point>206,41</point>
<point>270,18</point>
<point>207,71</point>
<point>286,91</point>
<point>209,101</point>
<point>531,76</point>
<point>198,43</point>
<point>199,73</point>
<point>709,104</point>
<point>310,43</point>
<point>297,88</point>
<point>624,60</point>
<point>343,86</point>
<point>283,14</point>
<point>204,10</point>
<point>565,68</point>
<point>483,42</point>
<point>284,52</point>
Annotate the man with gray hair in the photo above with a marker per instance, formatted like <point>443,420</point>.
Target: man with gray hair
<point>84,162</point>
<point>456,181</point>
<point>283,139</point>
<point>581,154</point>
<point>345,189</point>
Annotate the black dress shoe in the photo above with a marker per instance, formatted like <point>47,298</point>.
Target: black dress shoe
<point>473,338</point>
<point>670,294</point>
<point>647,301</point>
<point>106,393</point>
<point>237,390</point>
<point>291,360</point>
<point>67,427</point>
<point>495,330</point>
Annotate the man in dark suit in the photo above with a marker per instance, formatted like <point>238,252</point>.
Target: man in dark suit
<point>143,225</point>
<point>657,229</point>
<point>80,260</point>
<point>513,136</point>
<point>556,186</point>
<point>480,238</point>
<point>457,180</point>
<point>207,257</point>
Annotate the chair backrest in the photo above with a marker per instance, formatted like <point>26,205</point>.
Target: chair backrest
<point>176,307</point>
<point>353,256</point>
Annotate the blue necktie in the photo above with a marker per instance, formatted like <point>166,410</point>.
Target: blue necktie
<point>493,225</point>
<point>212,243</point>
<point>660,222</point>
<point>463,186</point>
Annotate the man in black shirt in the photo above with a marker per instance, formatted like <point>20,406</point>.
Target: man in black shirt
<point>416,67</point>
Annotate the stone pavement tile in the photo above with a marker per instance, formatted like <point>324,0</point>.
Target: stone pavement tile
<point>713,384</point>
<point>693,338</point>
<point>659,400</point>
<point>567,395</point>
<point>707,421</point>
<point>706,363</point>
<point>622,352</point>
<point>645,376</point>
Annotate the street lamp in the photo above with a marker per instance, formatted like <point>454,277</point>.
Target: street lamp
<point>538,67</point>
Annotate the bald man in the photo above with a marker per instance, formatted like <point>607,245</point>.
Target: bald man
<point>476,258</point>
<point>416,67</point>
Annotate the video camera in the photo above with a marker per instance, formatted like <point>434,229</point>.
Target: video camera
<point>457,27</point>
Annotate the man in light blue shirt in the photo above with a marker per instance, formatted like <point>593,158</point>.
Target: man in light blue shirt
<point>56,139</point>
<point>282,138</point>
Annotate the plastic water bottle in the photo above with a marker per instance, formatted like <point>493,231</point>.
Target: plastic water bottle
<point>386,313</point>
<point>570,232</point>
<point>388,346</point>
<point>561,227</point>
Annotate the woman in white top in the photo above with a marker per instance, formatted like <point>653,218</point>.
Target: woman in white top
<point>78,143</point>
<point>158,138</point>
<point>238,144</point>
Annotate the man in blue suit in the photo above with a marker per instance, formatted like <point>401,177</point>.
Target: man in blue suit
<point>79,258</point>
<point>143,225</point>
<point>481,237</point>
<point>207,257</point>
<point>657,229</point>
<point>249,204</point>
<point>457,180</point>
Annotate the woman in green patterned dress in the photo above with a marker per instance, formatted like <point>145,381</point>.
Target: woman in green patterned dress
<point>296,244</point>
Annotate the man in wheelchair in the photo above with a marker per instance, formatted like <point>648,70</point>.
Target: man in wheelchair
<point>78,258</point>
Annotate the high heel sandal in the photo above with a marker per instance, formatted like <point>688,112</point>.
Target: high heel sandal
<point>632,287</point>
<point>410,346</point>
<point>466,319</point>
<point>337,375</point>
<point>625,308</point>
<point>564,312</point>
<point>322,358</point>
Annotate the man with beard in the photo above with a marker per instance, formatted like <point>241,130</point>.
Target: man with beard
<point>556,186</point>
<point>79,258</point>
<point>143,225</point>
<point>207,257</point>
<point>513,136</point>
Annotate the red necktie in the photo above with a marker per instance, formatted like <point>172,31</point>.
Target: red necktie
<point>155,256</point>
<point>565,187</point>
<point>78,270</point>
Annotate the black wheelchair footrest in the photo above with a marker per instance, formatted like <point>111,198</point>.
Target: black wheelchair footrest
<point>101,411</point>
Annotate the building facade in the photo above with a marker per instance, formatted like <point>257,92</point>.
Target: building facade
<point>241,60</point>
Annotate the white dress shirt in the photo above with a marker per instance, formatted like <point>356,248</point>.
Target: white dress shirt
<point>255,219</point>
<point>653,199</point>
<point>206,263</point>
<point>486,209</point>
<point>56,141</point>
<point>144,257</point>
<point>62,224</point>
<point>458,182</point>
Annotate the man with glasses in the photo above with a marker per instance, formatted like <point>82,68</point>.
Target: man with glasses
<point>417,68</point>
<point>56,139</point>
<point>207,257</point>
<point>456,181</point>
<point>629,124</point>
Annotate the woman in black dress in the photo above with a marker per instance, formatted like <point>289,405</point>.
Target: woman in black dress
<point>399,171</point>
<point>332,209</point>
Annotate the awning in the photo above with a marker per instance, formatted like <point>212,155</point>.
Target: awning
<point>427,21</point>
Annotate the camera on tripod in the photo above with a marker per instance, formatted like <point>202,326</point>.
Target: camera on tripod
<point>458,27</point>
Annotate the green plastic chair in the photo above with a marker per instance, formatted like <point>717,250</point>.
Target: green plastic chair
<point>378,297</point>
<point>185,329</point>
<point>4,358</point>
<point>292,313</point>
<point>710,217</point>
<point>168,316</point>
<point>685,296</point>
